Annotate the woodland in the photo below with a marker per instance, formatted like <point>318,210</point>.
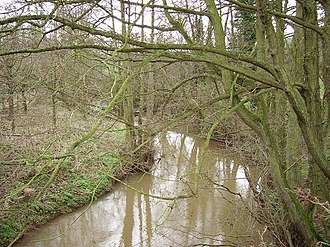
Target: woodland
<point>90,82</point>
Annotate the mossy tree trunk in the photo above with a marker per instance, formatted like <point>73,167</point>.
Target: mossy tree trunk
<point>128,108</point>
<point>150,105</point>
<point>273,132</point>
<point>24,98</point>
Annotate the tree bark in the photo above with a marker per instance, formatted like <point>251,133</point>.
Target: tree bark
<point>11,113</point>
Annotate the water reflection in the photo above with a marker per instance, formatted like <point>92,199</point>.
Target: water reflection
<point>128,218</point>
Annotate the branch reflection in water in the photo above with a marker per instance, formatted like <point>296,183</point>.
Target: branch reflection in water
<point>216,215</point>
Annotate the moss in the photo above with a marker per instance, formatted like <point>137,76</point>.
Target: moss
<point>9,228</point>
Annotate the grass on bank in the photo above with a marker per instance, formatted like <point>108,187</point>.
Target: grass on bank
<point>73,187</point>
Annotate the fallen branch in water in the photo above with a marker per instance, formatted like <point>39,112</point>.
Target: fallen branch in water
<point>179,197</point>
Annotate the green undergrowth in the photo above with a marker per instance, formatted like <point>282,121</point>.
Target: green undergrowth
<point>49,168</point>
<point>75,185</point>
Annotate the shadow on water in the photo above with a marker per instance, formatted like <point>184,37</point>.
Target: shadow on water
<point>124,217</point>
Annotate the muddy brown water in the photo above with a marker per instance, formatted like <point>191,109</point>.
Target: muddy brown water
<point>126,217</point>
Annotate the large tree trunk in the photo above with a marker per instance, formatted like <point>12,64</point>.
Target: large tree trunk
<point>273,134</point>
<point>318,182</point>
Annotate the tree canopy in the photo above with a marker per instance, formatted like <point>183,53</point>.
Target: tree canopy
<point>266,61</point>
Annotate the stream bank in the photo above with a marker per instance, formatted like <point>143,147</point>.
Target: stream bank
<point>73,187</point>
